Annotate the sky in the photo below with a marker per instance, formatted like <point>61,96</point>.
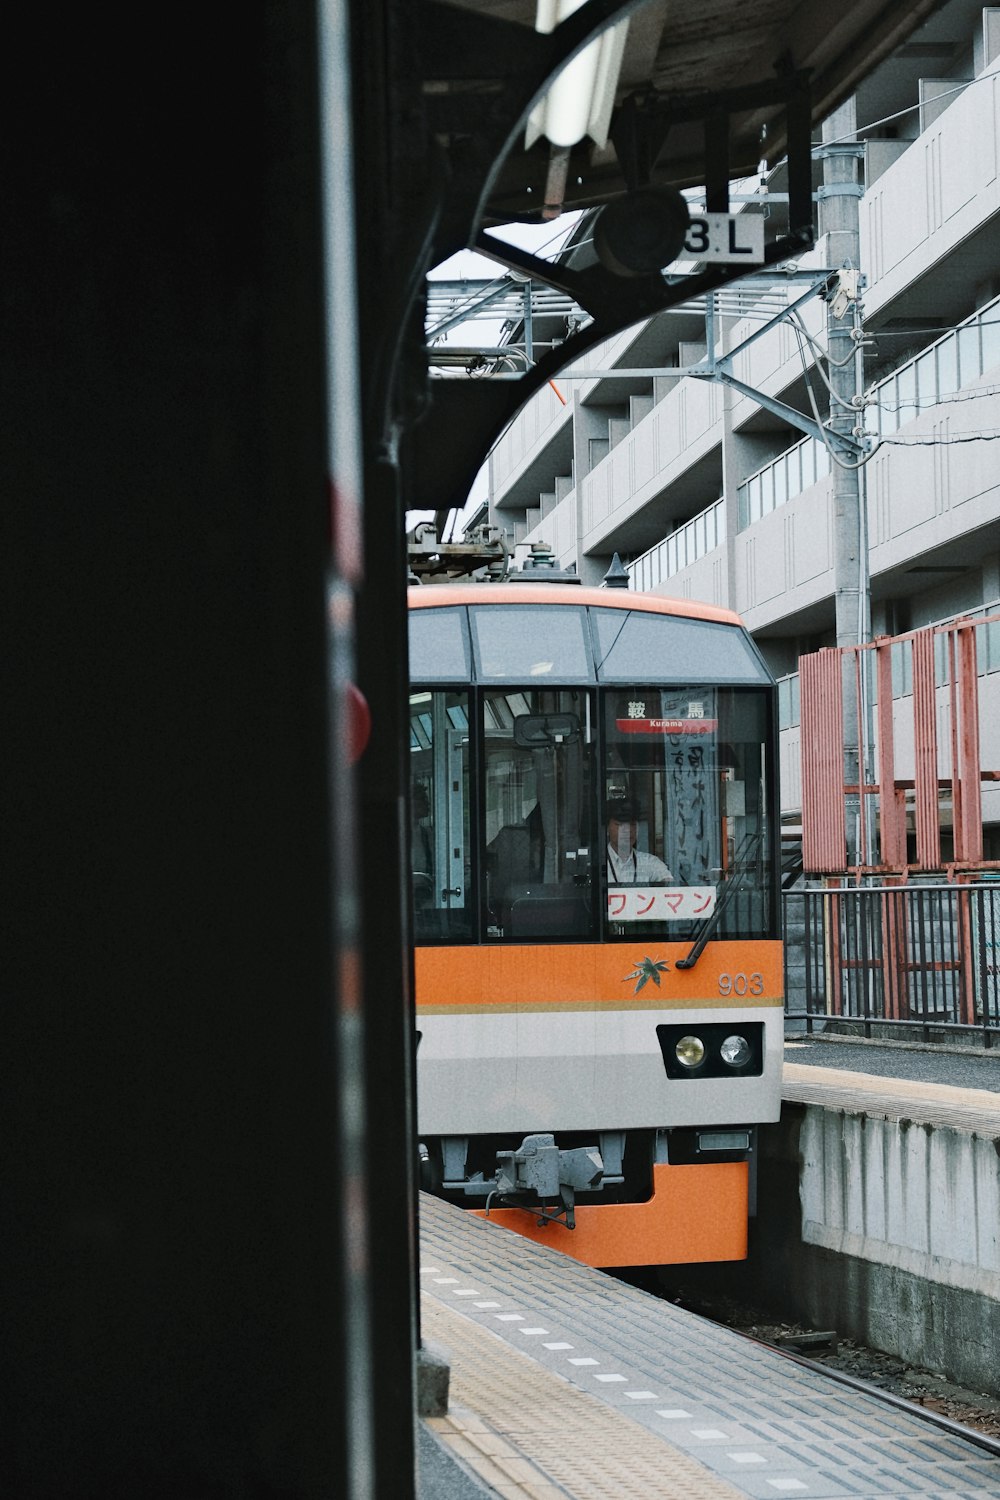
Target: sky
<point>543,239</point>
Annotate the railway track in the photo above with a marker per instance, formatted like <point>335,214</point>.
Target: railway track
<point>916,1389</point>
<point>972,1414</point>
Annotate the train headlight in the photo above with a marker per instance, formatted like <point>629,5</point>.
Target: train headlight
<point>690,1050</point>
<point>715,1050</point>
<point>736,1051</point>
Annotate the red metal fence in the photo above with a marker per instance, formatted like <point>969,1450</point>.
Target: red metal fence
<point>939,664</point>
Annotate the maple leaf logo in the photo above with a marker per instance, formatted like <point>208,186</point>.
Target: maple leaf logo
<point>645,970</point>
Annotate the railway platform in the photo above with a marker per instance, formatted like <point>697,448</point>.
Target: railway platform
<point>568,1383</point>
<point>939,1087</point>
<point>924,1070</point>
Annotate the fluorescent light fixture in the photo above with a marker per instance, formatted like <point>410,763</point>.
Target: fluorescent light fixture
<point>582,97</point>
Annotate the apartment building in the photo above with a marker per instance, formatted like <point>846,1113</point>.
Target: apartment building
<point>710,493</point>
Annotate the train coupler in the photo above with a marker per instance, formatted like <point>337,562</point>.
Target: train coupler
<point>538,1173</point>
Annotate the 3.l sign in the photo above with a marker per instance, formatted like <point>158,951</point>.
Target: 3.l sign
<point>726,237</point>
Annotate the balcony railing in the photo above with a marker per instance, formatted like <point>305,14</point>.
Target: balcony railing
<point>951,363</point>
<point>963,355</point>
<point>781,480</point>
<point>694,539</point>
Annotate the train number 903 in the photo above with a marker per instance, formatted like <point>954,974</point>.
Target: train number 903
<point>741,984</point>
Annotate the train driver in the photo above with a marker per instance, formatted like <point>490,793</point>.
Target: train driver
<point>628,865</point>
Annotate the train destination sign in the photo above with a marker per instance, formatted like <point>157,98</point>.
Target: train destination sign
<point>666,726</point>
<point>726,237</point>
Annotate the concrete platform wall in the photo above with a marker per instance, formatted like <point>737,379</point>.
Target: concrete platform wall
<point>887,1231</point>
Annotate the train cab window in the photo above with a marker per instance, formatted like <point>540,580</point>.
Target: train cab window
<point>529,643</point>
<point>697,650</point>
<point>540,877</point>
<point>687,792</point>
<point>439,645</point>
<point>440,850</point>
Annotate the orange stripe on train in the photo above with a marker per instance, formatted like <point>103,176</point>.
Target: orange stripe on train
<point>592,975</point>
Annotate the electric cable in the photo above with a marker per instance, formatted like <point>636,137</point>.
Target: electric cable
<point>842,463</point>
<point>905,333</point>
<point>949,400</point>
<point>940,442</point>
<point>909,110</point>
<point>837,364</point>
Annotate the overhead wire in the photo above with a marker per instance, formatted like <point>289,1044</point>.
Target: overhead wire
<point>825,436</point>
<point>943,441</point>
<point>950,400</point>
<point>903,333</point>
<point>909,110</point>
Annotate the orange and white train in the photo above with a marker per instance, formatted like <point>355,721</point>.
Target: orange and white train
<point>599,977</point>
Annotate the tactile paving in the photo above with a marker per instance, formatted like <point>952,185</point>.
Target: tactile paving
<point>517,1425</point>
<point>667,1381</point>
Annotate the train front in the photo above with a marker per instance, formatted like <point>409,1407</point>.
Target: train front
<point>598,963</point>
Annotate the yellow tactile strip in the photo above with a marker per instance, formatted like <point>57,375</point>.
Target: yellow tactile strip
<point>975,1111</point>
<point>532,1435</point>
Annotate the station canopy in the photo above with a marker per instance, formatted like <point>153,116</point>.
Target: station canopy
<point>517,111</point>
<point>665,61</point>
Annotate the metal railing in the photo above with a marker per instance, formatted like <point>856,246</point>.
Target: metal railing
<point>696,538</point>
<point>874,959</point>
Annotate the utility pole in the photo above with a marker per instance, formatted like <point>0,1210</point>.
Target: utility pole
<point>839,198</point>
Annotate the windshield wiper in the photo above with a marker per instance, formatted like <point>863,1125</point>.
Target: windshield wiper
<point>747,860</point>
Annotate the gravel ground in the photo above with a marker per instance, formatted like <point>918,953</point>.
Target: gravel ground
<point>978,1411</point>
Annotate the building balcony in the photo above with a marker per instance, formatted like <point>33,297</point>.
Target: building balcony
<point>936,197</point>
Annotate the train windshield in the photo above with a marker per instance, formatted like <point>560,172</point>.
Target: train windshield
<point>588,774</point>
<point>538,785</point>
<point>686,787</point>
<point>590,813</point>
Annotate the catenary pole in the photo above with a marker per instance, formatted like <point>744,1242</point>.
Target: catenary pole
<point>839,199</point>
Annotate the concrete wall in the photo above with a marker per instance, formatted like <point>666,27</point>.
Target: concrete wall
<point>785,561</point>
<point>887,1231</point>
<point>679,430</point>
<point>526,437</point>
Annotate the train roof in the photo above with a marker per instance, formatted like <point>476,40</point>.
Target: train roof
<point>428,595</point>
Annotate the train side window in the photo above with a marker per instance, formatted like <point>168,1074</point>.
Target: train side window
<point>440,850</point>
<point>538,836</point>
